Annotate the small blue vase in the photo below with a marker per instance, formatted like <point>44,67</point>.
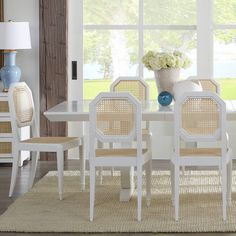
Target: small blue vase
<point>165,98</point>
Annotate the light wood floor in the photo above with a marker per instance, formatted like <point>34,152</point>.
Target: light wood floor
<point>43,168</point>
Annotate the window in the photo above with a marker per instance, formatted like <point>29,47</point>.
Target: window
<point>117,33</point>
<point>225,46</point>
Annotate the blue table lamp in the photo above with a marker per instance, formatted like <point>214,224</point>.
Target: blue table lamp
<point>13,36</point>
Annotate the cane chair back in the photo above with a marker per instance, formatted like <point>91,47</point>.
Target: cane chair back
<point>210,85</point>
<point>207,84</point>
<point>114,117</point>
<point>200,117</point>
<point>137,87</point>
<point>23,106</point>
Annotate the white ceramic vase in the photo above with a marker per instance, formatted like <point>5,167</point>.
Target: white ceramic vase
<point>165,79</point>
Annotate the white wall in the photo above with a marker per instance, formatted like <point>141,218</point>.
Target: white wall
<point>75,53</point>
<point>27,60</point>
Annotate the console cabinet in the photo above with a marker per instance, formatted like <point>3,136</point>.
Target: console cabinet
<point>6,135</point>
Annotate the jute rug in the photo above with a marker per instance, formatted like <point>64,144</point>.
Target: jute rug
<point>200,207</point>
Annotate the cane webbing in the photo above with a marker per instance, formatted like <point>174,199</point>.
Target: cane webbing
<point>208,85</point>
<point>200,116</point>
<point>5,127</point>
<point>125,152</point>
<point>49,140</point>
<point>4,106</point>
<point>200,152</point>
<point>135,87</point>
<point>115,116</point>
<point>5,147</point>
<point>23,104</point>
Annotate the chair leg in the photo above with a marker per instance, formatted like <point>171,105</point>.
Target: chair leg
<point>220,174</point>
<point>224,191</point>
<point>60,168</point>
<point>100,175</point>
<point>112,168</point>
<point>100,145</point>
<point>139,175</point>
<point>35,158</point>
<point>82,170</point>
<point>16,155</point>
<point>172,178</point>
<point>148,182</point>
<point>176,192</point>
<point>229,182</point>
<point>92,190</point>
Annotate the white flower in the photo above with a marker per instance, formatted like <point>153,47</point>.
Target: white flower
<point>159,60</point>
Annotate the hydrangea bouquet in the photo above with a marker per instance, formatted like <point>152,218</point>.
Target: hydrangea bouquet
<point>160,60</point>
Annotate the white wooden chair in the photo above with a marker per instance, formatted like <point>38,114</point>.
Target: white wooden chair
<point>23,114</point>
<point>201,117</point>
<point>207,84</point>
<point>116,118</point>
<point>140,90</point>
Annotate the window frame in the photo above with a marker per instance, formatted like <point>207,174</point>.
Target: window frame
<point>204,29</point>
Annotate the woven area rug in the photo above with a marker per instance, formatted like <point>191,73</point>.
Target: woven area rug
<point>200,207</point>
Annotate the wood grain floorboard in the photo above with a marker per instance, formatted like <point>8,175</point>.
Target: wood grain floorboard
<point>43,168</point>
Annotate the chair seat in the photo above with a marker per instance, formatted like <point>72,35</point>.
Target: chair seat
<point>200,152</point>
<point>123,152</point>
<point>49,140</point>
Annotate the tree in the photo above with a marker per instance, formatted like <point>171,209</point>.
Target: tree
<point>115,42</point>
<point>224,13</point>
<point>107,48</point>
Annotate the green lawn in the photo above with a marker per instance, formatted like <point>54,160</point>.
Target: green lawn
<point>93,87</point>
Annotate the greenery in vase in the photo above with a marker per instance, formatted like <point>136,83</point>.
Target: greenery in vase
<point>159,60</point>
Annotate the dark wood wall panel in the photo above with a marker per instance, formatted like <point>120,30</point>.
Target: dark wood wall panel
<point>1,19</point>
<point>53,64</point>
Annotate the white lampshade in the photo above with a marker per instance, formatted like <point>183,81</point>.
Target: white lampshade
<point>14,35</point>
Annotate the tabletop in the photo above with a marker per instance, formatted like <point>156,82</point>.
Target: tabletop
<point>151,111</point>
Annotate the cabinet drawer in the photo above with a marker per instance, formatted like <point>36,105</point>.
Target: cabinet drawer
<point>4,106</point>
<point>5,127</point>
<point>5,147</point>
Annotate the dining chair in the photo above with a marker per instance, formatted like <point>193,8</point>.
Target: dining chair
<point>140,90</point>
<point>22,112</point>
<point>207,84</point>
<point>116,118</point>
<point>201,117</point>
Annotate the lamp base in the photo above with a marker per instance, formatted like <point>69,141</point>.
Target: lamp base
<point>10,73</point>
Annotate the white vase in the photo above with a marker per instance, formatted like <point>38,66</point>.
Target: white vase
<point>165,79</point>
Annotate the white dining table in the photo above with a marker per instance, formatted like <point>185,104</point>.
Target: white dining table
<point>151,111</point>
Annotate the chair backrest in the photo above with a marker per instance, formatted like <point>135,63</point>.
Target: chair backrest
<point>136,86</point>
<point>115,117</point>
<point>21,106</point>
<point>199,117</point>
<point>207,84</point>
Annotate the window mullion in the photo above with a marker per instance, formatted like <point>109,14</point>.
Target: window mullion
<point>222,27</point>
<point>205,38</point>
<point>141,39</point>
